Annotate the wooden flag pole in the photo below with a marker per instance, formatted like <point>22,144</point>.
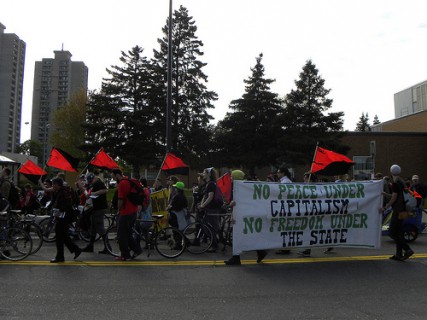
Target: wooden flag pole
<point>164,159</point>
<point>314,157</point>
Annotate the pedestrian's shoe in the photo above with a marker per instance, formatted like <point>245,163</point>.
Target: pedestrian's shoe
<point>396,257</point>
<point>103,251</point>
<point>56,260</point>
<point>121,258</point>
<point>88,248</point>
<point>328,250</point>
<point>407,254</point>
<point>77,253</point>
<point>135,254</point>
<point>261,255</point>
<point>305,253</point>
<point>233,261</point>
<point>283,251</point>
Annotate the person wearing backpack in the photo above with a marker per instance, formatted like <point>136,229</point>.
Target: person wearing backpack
<point>126,218</point>
<point>397,202</point>
<point>209,205</point>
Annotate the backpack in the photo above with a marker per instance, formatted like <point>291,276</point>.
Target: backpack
<point>137,195</point>
<point>14,198</point>
<point>410,201</point>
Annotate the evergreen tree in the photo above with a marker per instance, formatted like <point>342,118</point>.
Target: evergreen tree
<point>363,124</point>
<point>129,129</point>
<point>376,120</point>
<point>191,99</point>
<point>305,121</point>
<point>247,136</point>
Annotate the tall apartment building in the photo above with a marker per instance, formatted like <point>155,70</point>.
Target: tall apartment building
<point>410,100</point>
<point>55,81</point>
<point>12,61</point>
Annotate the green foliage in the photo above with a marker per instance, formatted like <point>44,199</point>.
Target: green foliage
<point>126,111</point>
<point>248,135</point>
<point>67,125</point>
<point>305,120</point>
<point>30,148</point>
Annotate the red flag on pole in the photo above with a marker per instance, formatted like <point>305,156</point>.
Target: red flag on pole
<point>103,160</point>
<point>174,165</point>
<point>62,160</point>
<point>329,163</point>
<point>32,171</point>
<point>224,184</point>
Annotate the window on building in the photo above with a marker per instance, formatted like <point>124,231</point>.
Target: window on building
<point>363,168</point>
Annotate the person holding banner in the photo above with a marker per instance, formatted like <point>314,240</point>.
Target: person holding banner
<point>235,259</point>
<point>397,203</point>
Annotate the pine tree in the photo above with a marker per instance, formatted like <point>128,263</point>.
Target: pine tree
<point>191,98</point>
<point>376,120</point>
<point>363,124</point>
<point>248,135</point>
<point>305,121</point>
<point>129,129</point>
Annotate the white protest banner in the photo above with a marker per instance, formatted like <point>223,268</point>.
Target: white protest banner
<point>306,215</point>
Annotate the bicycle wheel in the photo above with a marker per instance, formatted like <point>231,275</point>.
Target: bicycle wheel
<point>170,242</point>
<point>111,242</point>
<point>15,244</point>
<point>198,238</point>
<point>35,232</point>
<point>48,228</point>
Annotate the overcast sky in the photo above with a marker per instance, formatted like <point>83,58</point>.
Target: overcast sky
<point>366,50</point>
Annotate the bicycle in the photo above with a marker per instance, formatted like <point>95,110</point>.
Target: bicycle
<point>169,242</point>
<point>27,222</point>
<point>48,227</point>
<point>199,235</point>
<point>15,243</point>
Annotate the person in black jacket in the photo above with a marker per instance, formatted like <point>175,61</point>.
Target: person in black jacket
<point>63,212</point>
<point>178,207</point>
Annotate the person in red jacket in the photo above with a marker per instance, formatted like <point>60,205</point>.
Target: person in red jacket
<point>126,218</point>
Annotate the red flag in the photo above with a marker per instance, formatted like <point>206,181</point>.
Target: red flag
<point>32,171</point>
<point>224,184</point>
<point>174,165</point>
<point>329,163</point>
<point>62,160</point>
<point>103,160</point>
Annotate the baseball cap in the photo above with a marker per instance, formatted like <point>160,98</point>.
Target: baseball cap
<point>415,177</point>
<point>179,185</point>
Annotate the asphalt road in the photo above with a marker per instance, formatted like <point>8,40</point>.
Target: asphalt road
<point>347,284</point>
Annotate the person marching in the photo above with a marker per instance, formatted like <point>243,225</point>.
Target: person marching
<point>397,202</point>
<point>63,212</point>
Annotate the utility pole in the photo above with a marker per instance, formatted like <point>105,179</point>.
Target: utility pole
<point>169,91</point>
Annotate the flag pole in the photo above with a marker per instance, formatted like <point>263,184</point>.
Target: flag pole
<point>90,162</point>
<point>314,157</point>
<point>164,159</point>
